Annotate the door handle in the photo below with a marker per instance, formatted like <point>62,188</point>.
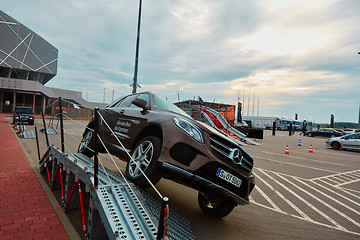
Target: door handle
<point>122,111</point>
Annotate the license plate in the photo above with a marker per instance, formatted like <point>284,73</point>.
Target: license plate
<point>228,177</point>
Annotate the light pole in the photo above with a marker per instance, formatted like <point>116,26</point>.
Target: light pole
<point>137,50</point>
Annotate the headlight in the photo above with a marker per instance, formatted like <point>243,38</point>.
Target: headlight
<point>190,129</point>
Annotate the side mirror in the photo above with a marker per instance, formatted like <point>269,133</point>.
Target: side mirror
<point>141,103</point>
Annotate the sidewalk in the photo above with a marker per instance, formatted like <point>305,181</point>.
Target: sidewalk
<point>25,210</point>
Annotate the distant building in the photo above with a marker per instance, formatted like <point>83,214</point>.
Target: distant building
<point>27,63</point>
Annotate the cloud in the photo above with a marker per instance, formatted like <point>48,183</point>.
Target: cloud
<point>297,55</point>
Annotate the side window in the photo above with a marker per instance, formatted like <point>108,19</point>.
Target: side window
<point>145,97</point>
<point>354,136</point>
<point>125,102</point>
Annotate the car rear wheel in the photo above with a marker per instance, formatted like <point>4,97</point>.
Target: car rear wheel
<point>215,206</point>
<point>144,157</point>
<point>87,143</point>
<point>332,135</point>
<point>310,135</point>
<point>336,145</point>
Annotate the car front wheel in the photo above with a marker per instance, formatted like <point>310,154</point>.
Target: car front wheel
<point>310,134</point>
<point>336,145</point>
<point>215,206</point>
<point>144,156</point>
<point>87,143</point>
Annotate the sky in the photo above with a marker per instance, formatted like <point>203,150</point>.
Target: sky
<point>276,57</point>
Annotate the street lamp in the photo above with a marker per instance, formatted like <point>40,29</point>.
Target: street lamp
<point>137,50</point>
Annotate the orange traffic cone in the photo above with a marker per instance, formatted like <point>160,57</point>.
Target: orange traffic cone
<point>287,149</point>
<point>48,124</point>
<point>311,149</point>
<point>42,123</point>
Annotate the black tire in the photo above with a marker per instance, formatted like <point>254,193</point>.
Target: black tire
<point>332,135</point>
<point>335,145</point>
<point>215,206</point>
<point>86,145</point>
<point>145,154</point>
<point>310,135</point>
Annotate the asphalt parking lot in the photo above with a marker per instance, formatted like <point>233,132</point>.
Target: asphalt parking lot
<point>300,195</point>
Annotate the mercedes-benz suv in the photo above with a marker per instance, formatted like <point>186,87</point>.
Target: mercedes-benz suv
<point>166,142</point>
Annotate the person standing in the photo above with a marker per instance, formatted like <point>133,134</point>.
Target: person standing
<point>303,130</point>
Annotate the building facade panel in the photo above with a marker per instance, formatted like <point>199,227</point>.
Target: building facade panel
<point>23,50</point>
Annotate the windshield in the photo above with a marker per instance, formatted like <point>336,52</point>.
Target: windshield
<point>163,104</point>
<point>23,110</point>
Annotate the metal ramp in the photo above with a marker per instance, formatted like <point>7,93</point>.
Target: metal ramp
<point>27,134</point>
<point>22,132</point>
<point>247,140</point>
<point>49,130</point>
<point>118,209</point>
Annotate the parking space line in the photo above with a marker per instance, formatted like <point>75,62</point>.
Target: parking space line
<point>351,190</point>
<point>297,165</point>
<point>310,205</point>
<point>328,205</point>
<point>313,160</point>
<point>349,172</point>
<point>266,196</point>
<point>338,194</point>
<point>287,200</point>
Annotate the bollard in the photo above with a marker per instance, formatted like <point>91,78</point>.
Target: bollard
<point>46,135</point>
<point>163,220</point>
<point>37,143</point>
<point>273,129</point>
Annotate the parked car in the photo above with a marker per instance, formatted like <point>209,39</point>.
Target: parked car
<point>166,142</point>
<point>351,141</point>
<point>324,132</point>
<point>340,130</point>
<point>349,131</point>
<point>22,115</point>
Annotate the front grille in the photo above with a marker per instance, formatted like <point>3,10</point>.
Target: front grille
<point>226,150</point>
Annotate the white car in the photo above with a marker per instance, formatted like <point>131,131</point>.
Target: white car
<point>351,141</point>
<point>349,131</point>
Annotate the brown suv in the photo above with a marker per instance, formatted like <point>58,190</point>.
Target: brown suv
<point>166,142</point>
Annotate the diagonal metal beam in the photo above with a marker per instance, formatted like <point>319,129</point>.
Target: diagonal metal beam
<point>26,45</point>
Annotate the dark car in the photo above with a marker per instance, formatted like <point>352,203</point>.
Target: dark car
<point>166,142</point>
<point>324,132</point>
<point>22,115</point>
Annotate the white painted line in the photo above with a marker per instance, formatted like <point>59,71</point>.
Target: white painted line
<point>287,200</point>
<point>353,172</point>
<point>342,196</point>
<point>312,206</point>
<point>317,223</point>
<point>337,179</point>
<point>351,190</point>
<point>298,165</point>
<point>329,180</point>
<point>328,205</point>
<point>313,160</point>
<point>266,196</point>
